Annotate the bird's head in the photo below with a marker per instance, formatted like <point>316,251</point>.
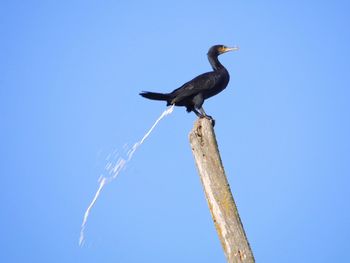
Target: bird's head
<point>220,49</point>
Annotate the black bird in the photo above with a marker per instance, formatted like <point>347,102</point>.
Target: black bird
<point>193,93</point>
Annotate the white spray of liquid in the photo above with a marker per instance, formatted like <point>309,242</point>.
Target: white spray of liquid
<point>114,169</point>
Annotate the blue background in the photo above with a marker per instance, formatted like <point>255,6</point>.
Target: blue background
<point>70,74</point>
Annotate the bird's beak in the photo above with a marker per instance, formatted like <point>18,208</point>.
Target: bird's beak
<point>227,49</point>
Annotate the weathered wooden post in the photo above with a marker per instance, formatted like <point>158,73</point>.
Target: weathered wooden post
<point>218,193</point>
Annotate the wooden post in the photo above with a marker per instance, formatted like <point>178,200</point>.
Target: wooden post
<point>218,193</point>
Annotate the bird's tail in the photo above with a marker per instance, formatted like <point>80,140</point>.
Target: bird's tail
<point>156,96</point>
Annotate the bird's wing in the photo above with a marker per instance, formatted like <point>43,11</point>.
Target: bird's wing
<point>195,86</point>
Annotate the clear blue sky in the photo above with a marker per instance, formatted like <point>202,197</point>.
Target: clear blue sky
<point>70,74</point>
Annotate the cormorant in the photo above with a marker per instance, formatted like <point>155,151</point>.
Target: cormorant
<point>193,93</point>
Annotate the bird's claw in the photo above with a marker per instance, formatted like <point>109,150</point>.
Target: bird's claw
<point>208,117</point>
<point>211,120</point>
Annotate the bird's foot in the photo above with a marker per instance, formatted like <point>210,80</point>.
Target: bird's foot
<point>212,120</point>
<point>209,118</point>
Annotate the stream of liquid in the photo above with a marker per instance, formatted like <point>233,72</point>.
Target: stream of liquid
<point>113,168</point>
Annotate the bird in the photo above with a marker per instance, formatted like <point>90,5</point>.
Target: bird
<point>193,93</point>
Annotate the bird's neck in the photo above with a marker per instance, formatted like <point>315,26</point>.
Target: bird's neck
<point>215,63</point>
